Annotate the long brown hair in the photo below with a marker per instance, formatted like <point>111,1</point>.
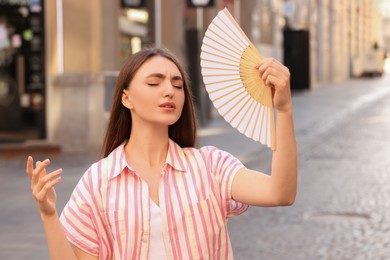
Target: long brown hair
<point>183,132</point>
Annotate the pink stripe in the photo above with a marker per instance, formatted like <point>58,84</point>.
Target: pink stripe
<point>213,228</point>
<point>226,244</point>
<point>181,203</point>
<point>100,235</point>
<point>224,188</point>
<point>108,195</point>
<point>193,177</point>
<point>81,232</point>
<point>135,210</point>
<point>141,201</point>
<point>209,177</point>
<point>126,176</point>
<point>182,219</point>
<point>76,216</point>
<point>205,231</point>
<point>193,220</point>
<point>192,211</point>
<point>79,243</point>
<point>117,198</point>
<point>214,190</point>
<point>222,225</point>
<point>95,206</point>
<point>171,223</point>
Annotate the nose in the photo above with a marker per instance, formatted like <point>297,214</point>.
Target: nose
<point>169,89</point>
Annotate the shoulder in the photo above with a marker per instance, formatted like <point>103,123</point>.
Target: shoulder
<point>206,153</point>
<point>106,168</point>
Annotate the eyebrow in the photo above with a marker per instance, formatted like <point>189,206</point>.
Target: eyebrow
<point>162,76</point>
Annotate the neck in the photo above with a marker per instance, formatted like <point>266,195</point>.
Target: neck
<point>147,146</point>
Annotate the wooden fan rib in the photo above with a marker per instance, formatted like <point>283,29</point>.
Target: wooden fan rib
<point>220,75</point>
<point>249,66</point>
<point>258,92</point>
<point>254,129</point>
<point>252,60</point>
<point>236,25</point>
<point>227,56</point>
<point>254,103</point>
<point>216,64</point>
<point>224,95</point>
<point>212,71</point>
<point>253,56</point>
<point>230,100</point>
<point>273,137</point>
<point>261,97</point>
<point>241,43</point>
<point>261,94</point>
<point>242,109</point>
<point>224,46</point>
<point>233,107</point>
<point>267,135</point>
<point>260,127</point>
<point>212,90</point>
<point>234,46</point>
<point>232,25</point>
<point>222,81</point>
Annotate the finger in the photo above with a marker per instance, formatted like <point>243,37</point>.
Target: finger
<point>39,171</point>
<point>44,180</point>
<point>41,165</point>
<point>40,196</point>
<point>271,81</point>
<point>268,71</point>
<point>29,166</point>
<point>273,63</point>
<point>50,176</point>
<point>276,83</point>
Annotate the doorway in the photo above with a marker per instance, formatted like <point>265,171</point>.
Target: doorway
<point>22,71</point>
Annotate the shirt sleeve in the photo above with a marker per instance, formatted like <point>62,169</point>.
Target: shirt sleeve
<point>224,166</point>
<point>77,218</point>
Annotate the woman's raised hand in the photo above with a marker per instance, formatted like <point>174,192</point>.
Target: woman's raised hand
<point>276,76</point>
<point>42,186</point>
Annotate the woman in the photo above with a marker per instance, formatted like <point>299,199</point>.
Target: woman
<point>153,195</point>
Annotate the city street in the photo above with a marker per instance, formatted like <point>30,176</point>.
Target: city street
<point>342,210</point>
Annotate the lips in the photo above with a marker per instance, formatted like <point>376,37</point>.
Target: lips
<point>169,105</point>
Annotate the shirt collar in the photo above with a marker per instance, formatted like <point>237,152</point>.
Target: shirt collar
<point>176,157</point>
<point>117,159</point>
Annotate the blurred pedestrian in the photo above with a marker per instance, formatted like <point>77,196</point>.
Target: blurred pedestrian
<point>154,195</point>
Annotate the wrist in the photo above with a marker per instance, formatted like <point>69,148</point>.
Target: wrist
<point>49,217</point>
<point>287,110</point>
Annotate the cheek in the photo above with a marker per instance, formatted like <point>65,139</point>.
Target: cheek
<point>181,100</point>
<point>141,99</point>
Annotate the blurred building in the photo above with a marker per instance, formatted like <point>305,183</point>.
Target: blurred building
<point>59,59</point>
<point>341,32</point>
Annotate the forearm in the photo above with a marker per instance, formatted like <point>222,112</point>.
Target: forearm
<point>284,160</point>
<point>59,247</point>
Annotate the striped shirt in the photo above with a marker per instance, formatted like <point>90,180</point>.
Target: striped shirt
<point>108,213</point>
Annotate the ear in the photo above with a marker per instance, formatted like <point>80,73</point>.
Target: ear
<point>126,101</point>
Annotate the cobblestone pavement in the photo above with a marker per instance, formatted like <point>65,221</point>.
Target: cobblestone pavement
<point>343,204</point>
<point>342,210</point>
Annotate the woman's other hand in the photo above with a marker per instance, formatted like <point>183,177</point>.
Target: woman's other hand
<point>42,186</point>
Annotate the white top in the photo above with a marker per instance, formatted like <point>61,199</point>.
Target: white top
<point>156,247</point>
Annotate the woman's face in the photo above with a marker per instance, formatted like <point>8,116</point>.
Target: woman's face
<point>156,93</point>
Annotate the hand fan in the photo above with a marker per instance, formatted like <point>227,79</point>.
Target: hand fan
<point>228,60</point>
